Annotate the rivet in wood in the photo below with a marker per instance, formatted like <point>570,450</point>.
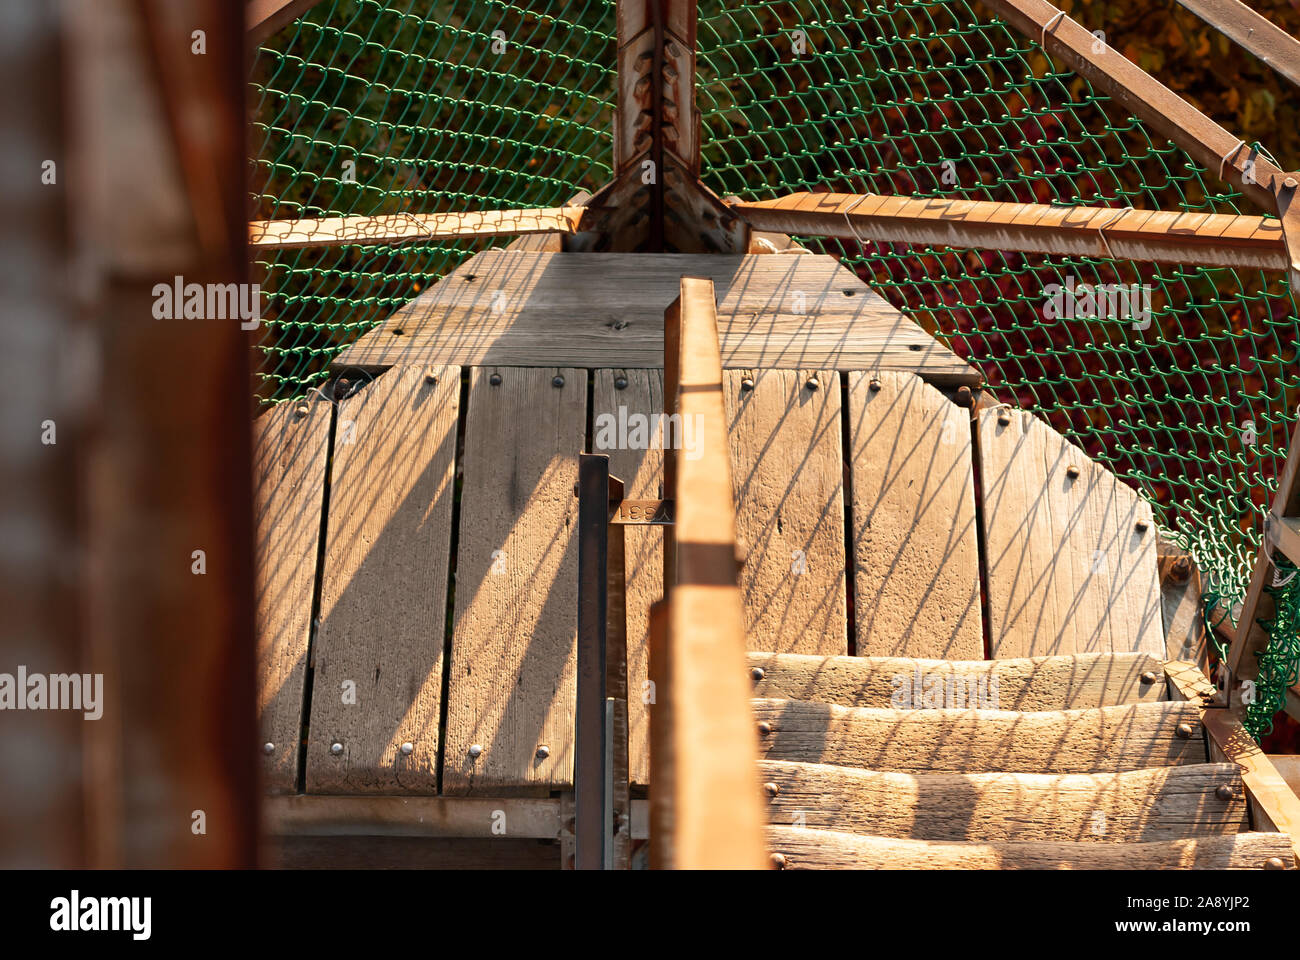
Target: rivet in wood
<point>301,409</point>
<point>620,383</point>
<point>874,386</point>
<point>778,861</point>
<point>1148,677</point>
<point>764,728</point>
<point>336,748</point>
<point>747,383</point>
<point>495,379</point>
<point>557,381</point>
<point>430,377</point>
<point>408,748</point>
<point>1223,792</point>
<point>1072,472</point>
<point>1004,418</point>
<point>757,673</point>
<point>964,398</point>
<point>1289,183</point>
<point>771,789</point>
<point>476,750</point>
<point>813,383</point>
<point>268,748</point>
<point>1184,731</point>
<point>543,752</point>
<point>1274,863</point>
<point>1140,526</point>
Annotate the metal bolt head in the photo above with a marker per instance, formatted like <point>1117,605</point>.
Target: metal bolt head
<point>1274,863</point>
<point>476,750</point>
<point>1004,418</point>
<point>336,748</point>
<point>1184,731</point>
<point>495,379</point>
<point>620,383</point>
<point>1140,526</point>
<point>1149,677</point>
<point>301,410</point>
<point>964,397</point>
<point>757,673</point>
<point>430,377</point>
<point>1223,792</point>
<point>764,728</point>
<point>1072,472</point>
<point>747,383</point>
<point>874,386</point>
<point>557,381</point>
<point>813,383</point>
<point>778,861</point>
<point>1181,569</point>
<point>268,748</point>
<point>543,752</point>
<point>408,748</point>
<point>771,789</point>
<point>1289,183</point>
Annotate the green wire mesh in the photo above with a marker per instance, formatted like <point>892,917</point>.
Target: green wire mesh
<point>1279,664</point>
<point>366,108</point>
<point>916,97</point>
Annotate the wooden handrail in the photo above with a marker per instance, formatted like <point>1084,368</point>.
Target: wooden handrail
<point>405,227</point>
<point>704,800</point>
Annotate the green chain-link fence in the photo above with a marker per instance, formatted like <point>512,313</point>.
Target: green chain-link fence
<point>915,97</point>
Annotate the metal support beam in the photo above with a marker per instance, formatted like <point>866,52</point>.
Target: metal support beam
<point>591,772</point>
<point>1155,235</point>
<point>1246,28</point>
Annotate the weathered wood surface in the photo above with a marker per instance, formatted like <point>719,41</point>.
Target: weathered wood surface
<point>1071,561</point>
<point>1096,740</point>
<point>523,308</point>
<point>641,471</point>
<point>1273,801</point>
<point>1180,604</point>
<point>379,647</point>
<point>411,853</point>
<point>1039,683</point>
<point>1161,803</point>
<point>289,459</point>
<point>704,802</point>
<point>787,467</point>
<point>406,227</point>
<point>915,543</point>
<point>511,679</point>
<point>803,849</point>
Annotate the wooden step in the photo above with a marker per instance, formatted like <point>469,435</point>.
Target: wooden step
<point>1028,683</point>
<point>1160,803</point>
<point>794,848</point>
<point>1095,740</point>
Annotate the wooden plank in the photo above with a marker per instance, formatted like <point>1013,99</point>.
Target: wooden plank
<point>1040,683</point>
<point>263,19</point>
<point>915,545</point>
<point>290,448</point>
<point>641,470</point>
<point>707,811</point>
<point>405,227</point>
<point>1288,768</point>
<point>539,817</point>
<point>548,242</point>
<point>514,643</point>
<point>1252,32</point>
<point>977,741</point>
<point>1173,236</point>
<point>1071,560</point>
<point>785,435</point>
<point>412,853</point>
<point>379,647</point>
<point>1181,604</point>
<point>1273,802</point>
<point>606,309</point>
<point>1161,803</point>
<point>826,850</point>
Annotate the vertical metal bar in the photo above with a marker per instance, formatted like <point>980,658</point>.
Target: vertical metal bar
<point>608,785</point>
<point>590,751</point>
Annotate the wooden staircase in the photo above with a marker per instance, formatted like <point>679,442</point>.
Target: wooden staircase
<point>1087,762</point>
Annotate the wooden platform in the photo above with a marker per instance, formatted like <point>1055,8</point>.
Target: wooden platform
<point>442,658</point>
